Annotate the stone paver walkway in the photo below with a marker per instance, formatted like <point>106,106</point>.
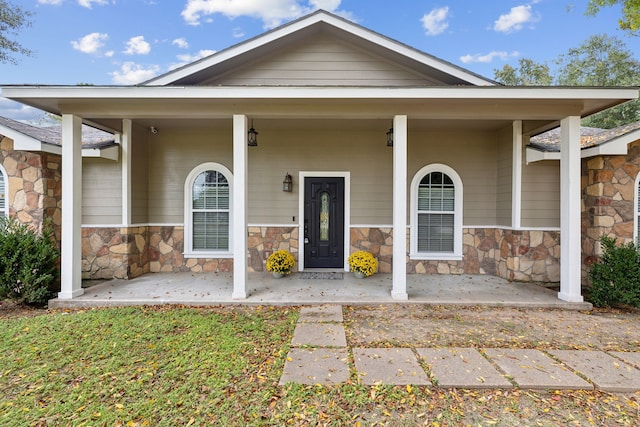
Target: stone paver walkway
<point>319,355</point>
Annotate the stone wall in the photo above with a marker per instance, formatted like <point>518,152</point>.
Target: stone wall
<point>35,186</point>
<point>608,208</point>
<point>263,241</point>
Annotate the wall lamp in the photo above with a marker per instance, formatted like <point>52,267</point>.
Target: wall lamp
<point>287,184</point>
<point>390,137</point>
<point>252,136</point>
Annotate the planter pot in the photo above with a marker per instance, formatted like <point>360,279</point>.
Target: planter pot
<point>277,274</point>
<point>358,274</point>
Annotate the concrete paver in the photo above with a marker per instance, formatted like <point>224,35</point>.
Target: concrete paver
<point>388,366</point>
<point>606,372</point>
<point>630,358</point>
<point>535,370</point>
<point>319,335</point>
<point>462,368</point>
<point>321,313</point>
<point>316,366</point>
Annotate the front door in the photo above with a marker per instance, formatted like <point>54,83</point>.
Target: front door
<point>324,222</point>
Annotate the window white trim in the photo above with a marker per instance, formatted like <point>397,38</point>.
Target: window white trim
<point>457,218</point>
<point>4,211</point>
<point>636,210</point>
<point>189,252</point>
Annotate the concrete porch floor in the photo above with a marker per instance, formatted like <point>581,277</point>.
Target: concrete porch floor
<point>262,288</point>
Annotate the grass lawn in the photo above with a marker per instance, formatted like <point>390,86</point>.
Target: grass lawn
<point>161,366</point>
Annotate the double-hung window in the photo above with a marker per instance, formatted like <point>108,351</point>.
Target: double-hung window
<point>4,206</point>
<point>436,201</point>
<point>208,211</point>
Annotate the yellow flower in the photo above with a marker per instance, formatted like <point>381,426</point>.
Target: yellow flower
<point>363,262</point>
<point>281,262</point>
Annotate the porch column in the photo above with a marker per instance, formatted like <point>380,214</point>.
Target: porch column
<point>570,289</point>
<point>71,245</point>
<point>516,176</point>
<point>399,267</point>
<point>239,210</point>
<point>125,153</point>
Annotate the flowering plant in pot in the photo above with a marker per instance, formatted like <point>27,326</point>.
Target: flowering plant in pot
<point>363,263</point>
<point>280,262</point>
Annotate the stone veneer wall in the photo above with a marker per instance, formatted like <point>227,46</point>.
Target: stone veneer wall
<point>527,255</point>
<point>263,241</point>
<point>129,252</point>
<point>35,186</point>
<point>608,208</point>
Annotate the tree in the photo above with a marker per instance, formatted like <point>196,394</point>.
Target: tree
<point>630,20</point>
<point>528,73</point>
<point>602,61</point>
<point>12,19</point>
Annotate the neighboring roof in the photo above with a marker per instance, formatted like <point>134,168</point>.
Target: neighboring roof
<point>309,26</point>
<point>49,139</point>
<point>589,137</point>
<point>593,142</point>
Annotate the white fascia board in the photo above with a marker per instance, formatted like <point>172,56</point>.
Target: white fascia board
<point>110,153</point>
<point>307,22</point>
<point>534,155</point>
<point>310,93</point>
<point>614,147</point>
<point>22,142</point>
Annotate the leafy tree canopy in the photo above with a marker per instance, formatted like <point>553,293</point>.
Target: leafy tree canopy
<point>12,19</point>
<point>601,61</point>
<point>630,20</point>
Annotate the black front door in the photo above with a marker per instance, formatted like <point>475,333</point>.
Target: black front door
<point>324,222</point>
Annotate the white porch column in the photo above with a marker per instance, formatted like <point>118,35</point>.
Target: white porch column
<point>399,276</point>
<point>239,210</point>
<point>516,176</point>
<point>71,250</point>
<point>570,251</point>
<point>125,153</point>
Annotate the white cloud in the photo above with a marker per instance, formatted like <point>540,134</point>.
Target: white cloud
<point>89,3</point>
<point>91,43</point>
<point>271,12</point>
<point>131,73</point>
<point>137,46</point>
<point>515,19</point>
<point>53,2</point>
<point>17,111</point>
<point>187,59</point>
<point>181,43</point>
<point>435,22</point>
<point>489,57</point>
<point>238,32</point>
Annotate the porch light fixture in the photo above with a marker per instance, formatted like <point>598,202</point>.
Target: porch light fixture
<point>287,184</point>
<point>390,137</point>
<point>252,136</point>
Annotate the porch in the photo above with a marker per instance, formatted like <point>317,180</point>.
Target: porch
<point>262,288</point>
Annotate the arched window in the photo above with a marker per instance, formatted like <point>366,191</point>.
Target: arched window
<point>436,213</point>
<point>208,211</point>
<point>4,191</point>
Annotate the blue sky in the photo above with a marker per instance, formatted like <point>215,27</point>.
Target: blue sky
<point>106,42</point>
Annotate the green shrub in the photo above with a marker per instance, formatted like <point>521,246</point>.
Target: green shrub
<point>28,263</point>
<point>616,278</point>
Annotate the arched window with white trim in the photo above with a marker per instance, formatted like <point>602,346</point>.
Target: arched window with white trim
<point>208,191</point>
<point>436,213</point>
<point>4,191</point>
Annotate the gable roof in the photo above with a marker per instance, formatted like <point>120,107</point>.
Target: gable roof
<point>310,26</point>
<point>95,142</point>
<point>593,142</point>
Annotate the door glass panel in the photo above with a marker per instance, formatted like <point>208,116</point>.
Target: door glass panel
<point>324,216</point>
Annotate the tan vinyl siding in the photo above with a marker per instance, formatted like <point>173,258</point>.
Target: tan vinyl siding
<point>172,154</point>
<point>473,155</point>
<point>139,176</point>
<point>325,61</point>
<point>541,194</point>
<point>505,177</point>
<point>101,191</point>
